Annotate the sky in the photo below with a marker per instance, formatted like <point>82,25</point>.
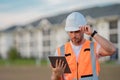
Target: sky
<point>17,12</point>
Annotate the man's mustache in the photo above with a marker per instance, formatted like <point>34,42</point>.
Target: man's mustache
<point>74,38</point>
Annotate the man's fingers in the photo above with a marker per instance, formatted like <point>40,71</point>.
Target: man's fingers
<point>51,66</point>
<point>59,63</point>
<point>56,64</point>
<point>86,28</point>
<point>64,67</point>
<point>82,28</point>
<point>62,64</point>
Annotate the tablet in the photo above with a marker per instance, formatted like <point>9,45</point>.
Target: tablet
<point>53,62</point>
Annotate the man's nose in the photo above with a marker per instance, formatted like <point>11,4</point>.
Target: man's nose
<point>73,34</point>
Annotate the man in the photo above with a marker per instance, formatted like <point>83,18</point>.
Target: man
<point>78,48</point>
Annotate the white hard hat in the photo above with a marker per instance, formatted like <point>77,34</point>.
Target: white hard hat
<point>74,21</point>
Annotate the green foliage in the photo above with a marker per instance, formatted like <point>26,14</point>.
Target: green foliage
<point>44,62</point>
<point>13,54</point>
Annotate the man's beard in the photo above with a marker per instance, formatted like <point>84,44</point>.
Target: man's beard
<point>77,40</point>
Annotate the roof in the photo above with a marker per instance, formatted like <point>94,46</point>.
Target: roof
<point>9,29</point>
<point>95,12</point>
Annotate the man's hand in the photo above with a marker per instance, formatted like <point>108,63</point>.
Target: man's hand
<point>107,48</point>
<point>86,29</point>
<point>58,70</point>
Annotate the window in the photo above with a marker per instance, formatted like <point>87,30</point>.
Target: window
<point>46,32</point>
<point>45,54</point>
<point>113,24</point>
<point>46,42</point>
<point>114,38</point>
<point>31,34</point>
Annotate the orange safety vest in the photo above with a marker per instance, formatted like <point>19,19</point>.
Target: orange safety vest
<point>82,67</point>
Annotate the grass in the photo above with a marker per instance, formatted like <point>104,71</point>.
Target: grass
<point>42,62</point>
<point>23,62</point>
<point>110,63</point>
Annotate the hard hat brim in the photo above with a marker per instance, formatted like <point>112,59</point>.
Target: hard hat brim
<point>72,28</point>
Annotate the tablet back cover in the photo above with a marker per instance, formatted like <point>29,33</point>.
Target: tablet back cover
<point>53,62</point>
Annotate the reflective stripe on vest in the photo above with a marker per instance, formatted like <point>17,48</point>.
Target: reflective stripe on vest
<point>62,50</point>
<point>95,77</point>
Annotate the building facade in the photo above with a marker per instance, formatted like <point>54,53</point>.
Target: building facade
<point>41,38</point>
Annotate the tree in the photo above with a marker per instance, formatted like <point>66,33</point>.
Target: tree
<point>13,54</point>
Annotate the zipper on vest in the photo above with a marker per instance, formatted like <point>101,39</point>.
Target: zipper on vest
<point>77,71</point>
